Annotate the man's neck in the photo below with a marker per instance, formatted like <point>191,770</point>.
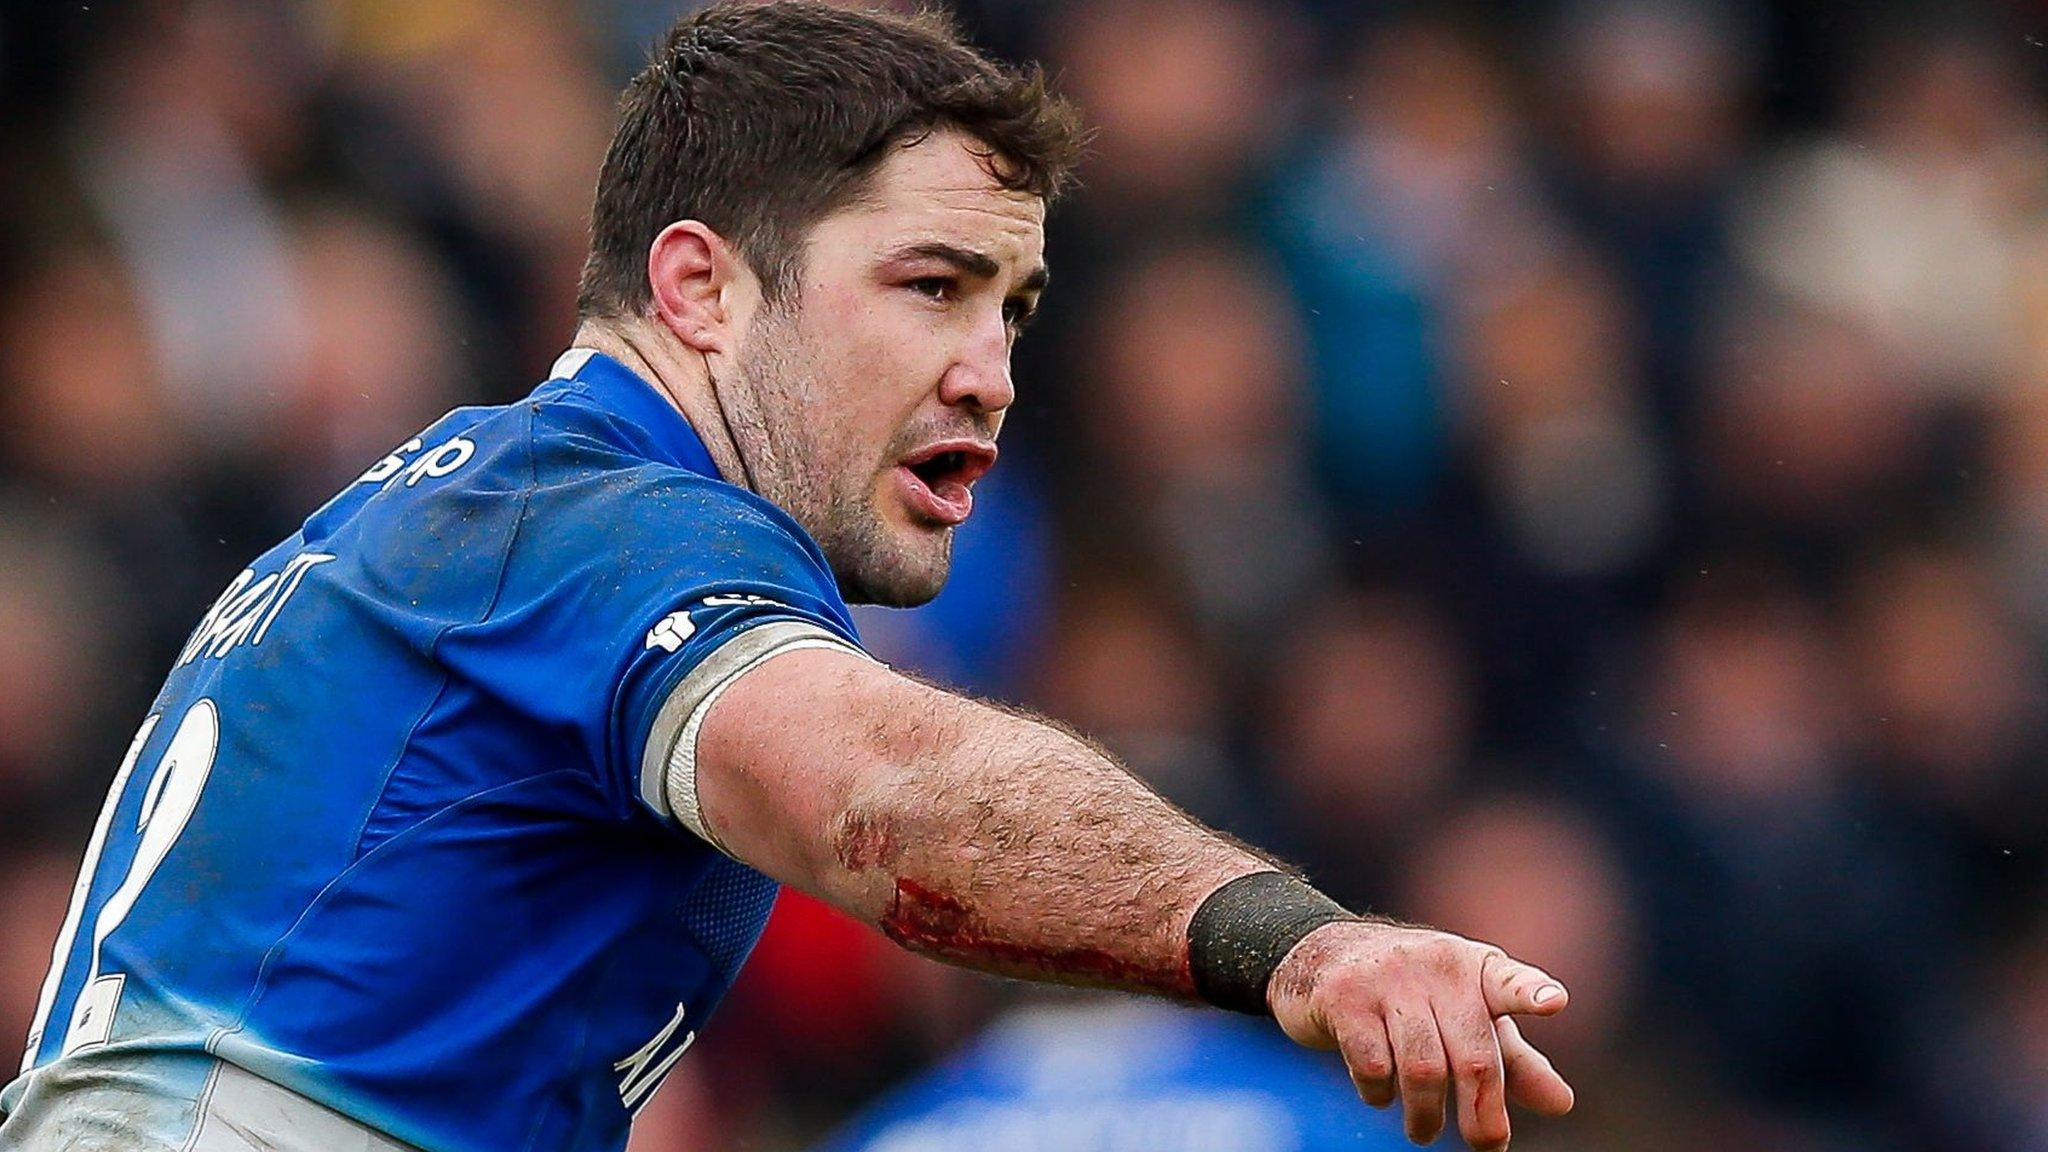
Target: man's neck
<point>679,374</point>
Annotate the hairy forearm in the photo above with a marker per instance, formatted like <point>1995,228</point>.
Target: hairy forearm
<point>998,841</point>
<point>1007,844</point>
<point>994,840</point>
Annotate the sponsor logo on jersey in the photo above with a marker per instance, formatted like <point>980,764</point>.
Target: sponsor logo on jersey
<point>670,635</point>
<point>741,600</point>
<point>676,628</point>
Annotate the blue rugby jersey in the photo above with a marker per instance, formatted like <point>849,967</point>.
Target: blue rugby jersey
<point>385,838</point>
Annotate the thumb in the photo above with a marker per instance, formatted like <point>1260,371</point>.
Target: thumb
<point>1517,989</point>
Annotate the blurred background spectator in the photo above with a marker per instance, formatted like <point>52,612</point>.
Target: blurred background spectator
<point>1125,1076</point>
<point>1572,471</point>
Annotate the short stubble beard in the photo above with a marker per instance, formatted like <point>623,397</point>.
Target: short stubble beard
<point>773,415</point>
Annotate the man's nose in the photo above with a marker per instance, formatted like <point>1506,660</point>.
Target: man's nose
<point>980,377</point>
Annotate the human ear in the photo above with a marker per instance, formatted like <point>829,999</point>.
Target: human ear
<point>696,279</point>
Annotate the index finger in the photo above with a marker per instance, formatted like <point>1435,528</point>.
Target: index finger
<point>1517,989</point>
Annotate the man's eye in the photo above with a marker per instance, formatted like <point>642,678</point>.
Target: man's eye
<point>1018,313</point>
<point>936,287</point>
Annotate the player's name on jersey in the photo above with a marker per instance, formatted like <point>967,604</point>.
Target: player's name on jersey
<point>403,467</point>
<point>245,612</point>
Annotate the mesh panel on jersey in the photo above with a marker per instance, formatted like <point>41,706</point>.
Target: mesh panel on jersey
<point>727,912</point>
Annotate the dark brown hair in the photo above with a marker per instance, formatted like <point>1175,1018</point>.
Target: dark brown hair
<point>762,119</point>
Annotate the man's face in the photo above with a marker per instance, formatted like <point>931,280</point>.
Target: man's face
<point>870,397</point>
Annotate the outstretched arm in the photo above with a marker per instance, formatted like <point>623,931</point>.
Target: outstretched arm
<point>996,840</point>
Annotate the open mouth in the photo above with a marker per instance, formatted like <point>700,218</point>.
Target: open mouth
<point>943,468</point>
<point>939,477</point>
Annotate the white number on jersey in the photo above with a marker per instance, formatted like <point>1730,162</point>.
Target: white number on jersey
<point>167,804</point>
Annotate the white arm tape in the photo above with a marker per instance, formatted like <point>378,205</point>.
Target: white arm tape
<point>668,770</point>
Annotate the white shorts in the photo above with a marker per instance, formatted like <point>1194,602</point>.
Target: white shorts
<point>113,1104</point>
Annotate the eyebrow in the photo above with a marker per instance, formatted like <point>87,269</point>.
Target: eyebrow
<point>974,263</point>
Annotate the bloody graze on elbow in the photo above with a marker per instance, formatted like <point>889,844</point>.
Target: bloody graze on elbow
<point>925,915</point>
<point>932,922</point>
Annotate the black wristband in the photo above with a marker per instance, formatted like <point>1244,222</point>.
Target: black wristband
<point>1245,928</point>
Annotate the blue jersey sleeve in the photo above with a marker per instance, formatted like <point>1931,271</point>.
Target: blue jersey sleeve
<point>762,589</point>
<point>619,587</point>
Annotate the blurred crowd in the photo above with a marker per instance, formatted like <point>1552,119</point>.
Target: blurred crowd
<point>1575,473</point>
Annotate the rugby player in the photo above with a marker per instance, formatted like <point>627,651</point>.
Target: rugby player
<point>461,807</point>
